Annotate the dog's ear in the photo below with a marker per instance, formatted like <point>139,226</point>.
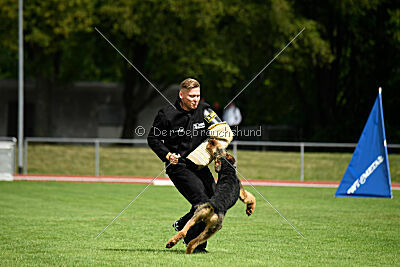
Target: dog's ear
<point>230,158</point>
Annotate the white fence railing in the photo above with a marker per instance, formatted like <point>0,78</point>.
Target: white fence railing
<point>235,144</point>
<point>10,139</point>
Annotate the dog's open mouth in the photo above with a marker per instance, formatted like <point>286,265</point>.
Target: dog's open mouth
<point>217,151</point>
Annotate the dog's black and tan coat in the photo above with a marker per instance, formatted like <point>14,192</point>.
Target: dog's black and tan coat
<point>227,191</point>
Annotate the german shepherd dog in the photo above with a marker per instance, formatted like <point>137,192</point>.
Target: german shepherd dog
<point>227,192</point>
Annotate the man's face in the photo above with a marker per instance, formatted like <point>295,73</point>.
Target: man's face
<point>190,98</point>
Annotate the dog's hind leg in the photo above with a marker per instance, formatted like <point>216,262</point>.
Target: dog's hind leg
<point>200,214</point>
<point>214,224</point>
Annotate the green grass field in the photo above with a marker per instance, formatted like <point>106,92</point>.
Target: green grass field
<point>55,224</point>
<point>133,161</point>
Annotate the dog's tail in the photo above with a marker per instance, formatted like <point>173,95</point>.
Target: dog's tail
<point>248,199</point>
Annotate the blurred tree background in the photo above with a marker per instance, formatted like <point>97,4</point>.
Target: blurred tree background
<point>324,83</point>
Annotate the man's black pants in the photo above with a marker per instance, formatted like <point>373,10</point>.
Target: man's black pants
<point>197,186</point>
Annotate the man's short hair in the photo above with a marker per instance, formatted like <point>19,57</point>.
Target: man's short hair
<point>189,83</point>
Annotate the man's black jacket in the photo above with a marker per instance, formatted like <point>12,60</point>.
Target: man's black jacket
<point>178,131</point>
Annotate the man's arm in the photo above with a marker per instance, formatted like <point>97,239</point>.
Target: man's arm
<point>156,137</point>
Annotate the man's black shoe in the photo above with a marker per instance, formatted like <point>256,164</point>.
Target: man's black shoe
<point>200,250</point>
<point>179,224</point>
<point>176,226</point>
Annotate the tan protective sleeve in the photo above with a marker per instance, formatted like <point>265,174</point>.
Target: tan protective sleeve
<point>221,131</point>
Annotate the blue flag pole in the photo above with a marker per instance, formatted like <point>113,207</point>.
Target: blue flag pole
<point>385,143</point>
<point>368,173</point>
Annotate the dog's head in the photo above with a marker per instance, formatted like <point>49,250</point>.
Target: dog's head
<point>215,148</point>
<point>219,153</point>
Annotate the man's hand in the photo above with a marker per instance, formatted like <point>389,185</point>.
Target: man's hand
<point>173,158</point>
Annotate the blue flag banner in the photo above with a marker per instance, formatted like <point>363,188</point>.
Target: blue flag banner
<point>368,172</point>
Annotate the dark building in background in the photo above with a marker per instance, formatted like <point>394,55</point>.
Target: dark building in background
<point>83,109</point>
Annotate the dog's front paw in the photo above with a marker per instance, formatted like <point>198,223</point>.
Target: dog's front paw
<point>250,202</point>
<point>250,208</point>
<point>175,239</point>
<point>170,244</point>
